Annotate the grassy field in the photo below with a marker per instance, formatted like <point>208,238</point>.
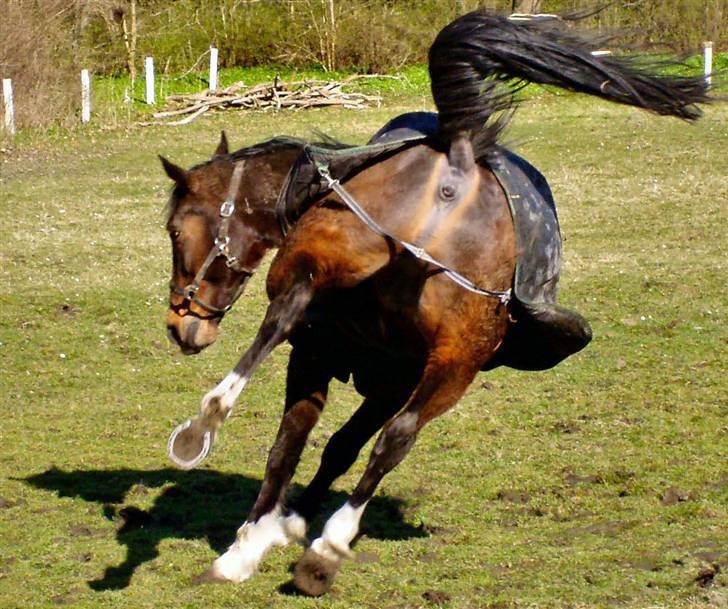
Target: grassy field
<point>601,483</point>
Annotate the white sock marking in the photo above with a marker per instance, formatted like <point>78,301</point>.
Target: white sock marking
<point>254,539</point>
<point>227,391</point>
<point>339,531</point>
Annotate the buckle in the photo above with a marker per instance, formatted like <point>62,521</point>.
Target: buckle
<point>227,208</point>
<point>221,243</point>
<point>190,291</point>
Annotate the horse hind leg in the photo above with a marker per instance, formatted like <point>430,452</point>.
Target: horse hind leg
<point>380,404</point>
<point>269,524</point>
<point>442,384</point>
<point>192,441</point>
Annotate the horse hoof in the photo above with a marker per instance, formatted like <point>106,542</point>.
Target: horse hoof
<point>189,444</point>
<point>314,574</point>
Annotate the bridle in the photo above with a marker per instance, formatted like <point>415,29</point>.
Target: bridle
<point>221,247</point>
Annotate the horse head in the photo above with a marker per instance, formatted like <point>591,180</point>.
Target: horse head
<point>221,222</point>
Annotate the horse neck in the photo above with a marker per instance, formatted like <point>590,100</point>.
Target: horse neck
<point>268,173</point>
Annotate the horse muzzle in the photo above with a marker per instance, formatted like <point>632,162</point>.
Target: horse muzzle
<point>191,333</point>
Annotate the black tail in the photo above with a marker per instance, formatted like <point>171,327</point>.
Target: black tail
<point>476,54</point>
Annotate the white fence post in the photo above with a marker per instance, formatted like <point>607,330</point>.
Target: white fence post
<point>708,57</point>
<point>9,106</point>
<point>213,69</point>
<point>85,96</point>
<point>149,78</point>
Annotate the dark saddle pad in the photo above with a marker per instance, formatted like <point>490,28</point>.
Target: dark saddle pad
<point>543,333</point>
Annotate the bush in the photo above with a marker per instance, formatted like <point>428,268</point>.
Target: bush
<point>370,35</point>
<point>45,43</point>
<point>37,53</point>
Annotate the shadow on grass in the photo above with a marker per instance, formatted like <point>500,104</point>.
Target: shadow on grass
<point>192,505</point>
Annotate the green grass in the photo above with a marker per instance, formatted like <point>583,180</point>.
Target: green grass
<point>117,103</point>
<point>539,490</point>
<point>109,94</point>
<point>112,94</point>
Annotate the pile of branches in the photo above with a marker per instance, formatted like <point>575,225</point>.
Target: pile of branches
<point>269,96</point>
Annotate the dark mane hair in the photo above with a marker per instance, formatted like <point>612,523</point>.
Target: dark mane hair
<point>273,145</point>
<point>285,142</point>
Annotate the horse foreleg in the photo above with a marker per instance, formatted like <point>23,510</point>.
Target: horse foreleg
<point>442,384</point>
<point>191,441</point>
<point>268,525</point>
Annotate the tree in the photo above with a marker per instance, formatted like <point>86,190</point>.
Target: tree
<point>128,22</point>
<point>525,6</point>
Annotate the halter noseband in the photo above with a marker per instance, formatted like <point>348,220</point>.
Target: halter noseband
<point>221,247</point>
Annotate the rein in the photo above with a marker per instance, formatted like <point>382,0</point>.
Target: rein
<point>323,170</point>
<point>221,247</point>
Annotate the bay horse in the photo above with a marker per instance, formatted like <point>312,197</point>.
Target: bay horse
<point>402,269</point>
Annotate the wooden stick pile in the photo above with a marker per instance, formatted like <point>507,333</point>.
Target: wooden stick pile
<point>269,96</point>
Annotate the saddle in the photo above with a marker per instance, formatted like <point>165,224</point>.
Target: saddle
<point>542,333</point>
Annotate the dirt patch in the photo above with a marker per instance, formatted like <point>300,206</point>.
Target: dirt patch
<point>706,575</point>
<point>436,597</point>
<point>647,563</point>
<point>79,530</point>
<point>367,557</point>
<point>6,504</point>
<point>430,557</point>
<point>674,495</point>
<point>63,600</point>
<point>434,530</point>
<point>720,484</point>
<point>566,427</point>
<point>717,557</point>
<point>6,565</point>
<point>574,480</point>
<point>68,310</point>
<point>605,529</point>
<point>514,496</point>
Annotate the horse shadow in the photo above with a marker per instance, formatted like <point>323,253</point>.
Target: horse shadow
<point>200,504</point>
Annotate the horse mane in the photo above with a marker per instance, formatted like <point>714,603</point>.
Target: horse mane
<point>271,146</point>
<point>481,60</point>
<point>286,142</point>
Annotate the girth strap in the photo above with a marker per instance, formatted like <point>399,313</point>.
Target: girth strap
<point>418,252</point>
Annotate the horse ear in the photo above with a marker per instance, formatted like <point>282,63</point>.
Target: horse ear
<point>222,147</point>
<point>175,172</point>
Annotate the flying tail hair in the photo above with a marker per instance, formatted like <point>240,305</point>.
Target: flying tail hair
<point>479,62</point>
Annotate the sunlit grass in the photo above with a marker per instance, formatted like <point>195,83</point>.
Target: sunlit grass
<point>599,483</point>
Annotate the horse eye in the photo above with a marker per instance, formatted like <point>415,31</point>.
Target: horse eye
<point>448,191</point>
<point>175,234</point>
